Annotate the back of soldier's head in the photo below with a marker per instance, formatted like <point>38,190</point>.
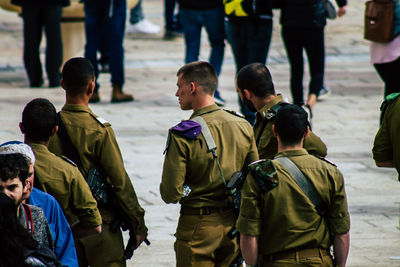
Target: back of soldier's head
<point>256,78</point>
<point>202,73</point>
<point>291,123</point>
<point>39,119</point>
<point>13,166</point>
<point>77,73</point>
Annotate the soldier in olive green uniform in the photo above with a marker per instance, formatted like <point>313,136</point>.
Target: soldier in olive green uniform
<point>97,147</point>
<point>257,91</point>
<point>192,176</point>
<point>386,149</point>
<point>59,176</point>
<point>278,223</point>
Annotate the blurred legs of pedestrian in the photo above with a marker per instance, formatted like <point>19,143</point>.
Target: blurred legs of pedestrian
<point>35,19</point>
<point>109,25</point>
<point>250,42</point>
<point>389,73</point>
<point>173,27</point>
<point>312,41</point>
<point>213,21</point>
<point>138,23</point>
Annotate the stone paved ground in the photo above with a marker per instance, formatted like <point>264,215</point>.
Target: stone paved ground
<point>347,121</point>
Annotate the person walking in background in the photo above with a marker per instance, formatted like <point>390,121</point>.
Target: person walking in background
<point>39,14</point>
<point>303,24</point>
<point>194,15</point>
<point>105,21</point>
<point>249,31</point>
<point>173,26</point>
<point>386,57</point>
<point>138,23</point>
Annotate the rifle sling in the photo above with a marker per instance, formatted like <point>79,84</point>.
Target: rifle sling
<point>304,184</point>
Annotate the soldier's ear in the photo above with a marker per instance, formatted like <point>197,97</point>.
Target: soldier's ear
<point>21,127</point>
<point>54,131</point>
<point>274,130</point>
<point>91,87</point>
<point>247,94</point>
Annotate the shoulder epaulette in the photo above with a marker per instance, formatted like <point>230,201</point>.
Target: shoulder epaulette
<point>188,129</point>
<point>325,159</point>
<point>100,120</point>
<point>69,161</point>
<point>264,173</point>
<point>233,112</point>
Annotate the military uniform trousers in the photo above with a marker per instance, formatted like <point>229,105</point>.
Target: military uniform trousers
<point>301,258</point>
<point>202,240</point>
<point>103,250</point>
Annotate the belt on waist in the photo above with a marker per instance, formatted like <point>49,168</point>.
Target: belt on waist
<point>203,210</point>
<point>296,254</point>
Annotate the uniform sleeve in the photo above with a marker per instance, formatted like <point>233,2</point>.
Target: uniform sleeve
<point>338,217</point>
<point>83,205</point>
<point>174,170</point>
<point>383,149</point>
<point>112,163</point>
<point>314,145</point>
<point>249,221</point>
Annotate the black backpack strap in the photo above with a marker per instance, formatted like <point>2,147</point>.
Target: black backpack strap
<point>304,184</point>
<point>69,150</point>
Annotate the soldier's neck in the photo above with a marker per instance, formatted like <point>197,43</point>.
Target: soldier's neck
<point>77,100</point>
<point>28,141</point>
<point>202,102</point>
<point>261,102</point>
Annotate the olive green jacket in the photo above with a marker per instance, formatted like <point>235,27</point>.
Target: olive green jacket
<point>268,145</point>
<point>284,218</point>
<point>387,140</point>
<point>97,147</point>
<point>63,180</point>
<point>187,161</point>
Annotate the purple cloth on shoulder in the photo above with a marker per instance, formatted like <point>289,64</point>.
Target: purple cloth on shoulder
<point>188,129</point>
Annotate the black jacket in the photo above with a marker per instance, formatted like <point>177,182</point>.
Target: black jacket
<point>248,9</point>
<point>200,4</point>
<point>305,13</point>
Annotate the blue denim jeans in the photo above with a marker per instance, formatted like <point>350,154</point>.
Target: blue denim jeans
<point>136,13</point>
<point>172,22</point>
<point>213,21</point>
<point>250,42</point>
<point>101,23</point>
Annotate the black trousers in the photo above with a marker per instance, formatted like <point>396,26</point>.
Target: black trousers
<point>35,19</point>
<point>312,41</point>
<point>389,73</point>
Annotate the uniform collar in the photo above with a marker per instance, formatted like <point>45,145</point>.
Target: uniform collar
<point>76,108</point>
<point>264,110</point>
<point>38,147</point>
<point>205,110</point>
<point>292,153</point>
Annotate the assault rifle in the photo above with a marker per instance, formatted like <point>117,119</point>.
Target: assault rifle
<point>105,195</point>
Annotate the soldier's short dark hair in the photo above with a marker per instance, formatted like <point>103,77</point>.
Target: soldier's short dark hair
<point>77,73</point>
<point>14,165</point>
<point>202,73</point>
<point>256,78</point>
<point>291,123</point>
<point>39,119</point>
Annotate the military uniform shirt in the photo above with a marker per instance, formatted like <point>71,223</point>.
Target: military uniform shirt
<point>65,183</point>
<point>387,140</point>
<point>97,147</point>
<point>268,144</point>
<point>284,218</point>
<point>187,162</point>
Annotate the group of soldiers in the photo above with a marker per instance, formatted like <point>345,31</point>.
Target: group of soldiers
<point>293,206</point>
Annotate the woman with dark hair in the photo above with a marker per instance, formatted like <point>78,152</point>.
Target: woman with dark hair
<point>19,249</point>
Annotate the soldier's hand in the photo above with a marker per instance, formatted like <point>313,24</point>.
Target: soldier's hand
<point>341,11</point>
<point>139,239</point>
